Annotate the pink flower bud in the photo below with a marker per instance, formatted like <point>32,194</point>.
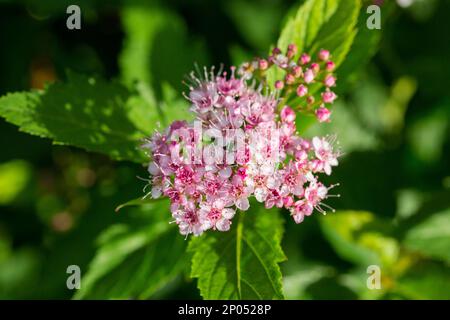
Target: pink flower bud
<point>279,84</point>
<point>290,79</point>
<point>302,90</point>
<point>329,81</point>
<point>315,68</point>
<point>263,64</point>
<point>330,66</point>
<point>292,47</point>
<point>328,96</point>
<point>292,50</point>
<point>308,76</point>
<point>323,114</point>
<point>297,71</point>
<point>276,51</point>
<point>287,114</point>
<point>304,59</point>
<point>324,55</point>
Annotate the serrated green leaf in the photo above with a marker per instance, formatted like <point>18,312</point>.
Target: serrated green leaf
<point>85,112</point>
<point>431,237</point>
<point>243,262</point>
<point>137,259</point>
<point>328,24</point>
<point>318,24</point>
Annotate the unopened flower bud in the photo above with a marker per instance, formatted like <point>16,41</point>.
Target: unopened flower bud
<point>302,90</point>
<point>323,114</point>
<point>290,79</point>
<point>308,76</point>
<point>324,55</point>
<point>292,50</point>
<point>287,114</point>
<point>279,84</point>
<point>263,64</point>
<point>315,68</point>
<point>328,96</point>
<point>329,81</point>
<point>330,66</point>
<point>304,59</point>
<point>297,71</point>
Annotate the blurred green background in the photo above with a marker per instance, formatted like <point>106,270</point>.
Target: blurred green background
<point>392,120</point>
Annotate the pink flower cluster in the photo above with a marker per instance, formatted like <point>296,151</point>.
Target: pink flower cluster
<point>300,74</point>
<point>207,179</point>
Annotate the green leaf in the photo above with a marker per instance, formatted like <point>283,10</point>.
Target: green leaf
<point>359,237</point>
<point>85,112</point>
<point>364,47</point>
<point>328,24</point>
<point>427,280</point>
<point>431,237</point>
<point>135,260</point>
<point>243,262</point>
<point>138,202</point>
<point>157,48</point>
<point>14,177</point>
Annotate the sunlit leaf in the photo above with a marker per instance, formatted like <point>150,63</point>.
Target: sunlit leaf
<point>431,237</point>
<point>85,112</point>
<point>243,262</point>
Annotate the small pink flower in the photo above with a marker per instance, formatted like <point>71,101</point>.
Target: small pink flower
<point>281,61</point>
<point>329,81</point>
<point>263,64</point>
<point>315,193</point>
<point>288,201</point>
<point>287,115</point>
<point>310,99</point>
<point>215,216</point>
<point>308,76</point>
<point>304,59</point>
<point>289,79</point>
<point>315,68</point>
<point>328,96</point>
<point>279,84</point>
<point>323,114</point>
<point>292,50</point>
<point>276,51</point>
<point>324,153</point>
<point>274,199</point>
<point>297,71</point>
<point>302,90</point>
<point>330,65</point>
<point>204,97</point>
<point>229,87</point>
<point>324,55</point>
<point>301,209</point>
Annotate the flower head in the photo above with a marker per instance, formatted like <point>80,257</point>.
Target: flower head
<point>243,144</point>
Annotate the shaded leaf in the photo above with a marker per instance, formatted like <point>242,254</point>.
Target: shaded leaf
<point>426,280</point>
<point>135,260</point>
